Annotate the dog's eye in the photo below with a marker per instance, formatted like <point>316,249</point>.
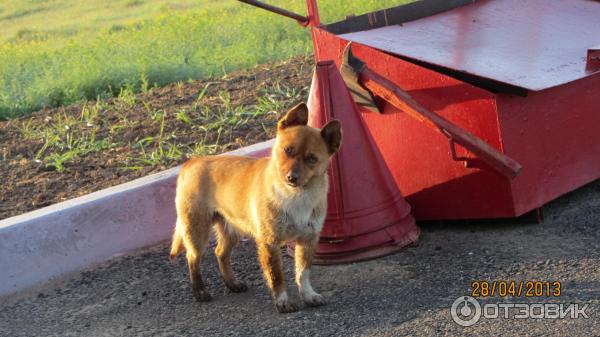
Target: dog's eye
<point>311,159</point>
<point>288,150</point>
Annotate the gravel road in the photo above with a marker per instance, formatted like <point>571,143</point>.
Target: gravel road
<point>408,293</point>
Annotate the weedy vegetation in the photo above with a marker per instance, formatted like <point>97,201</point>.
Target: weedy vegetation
<point>66,138</point>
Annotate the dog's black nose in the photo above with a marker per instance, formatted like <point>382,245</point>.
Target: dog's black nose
<point>292,178</point>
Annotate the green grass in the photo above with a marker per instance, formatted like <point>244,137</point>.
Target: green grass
<point>22,20</point>
<point>56,52</point>
<point>65,138</point>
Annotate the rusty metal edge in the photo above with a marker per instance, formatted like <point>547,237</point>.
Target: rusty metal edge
<point>394,16</point>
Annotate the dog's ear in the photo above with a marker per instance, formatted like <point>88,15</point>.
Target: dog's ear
<point>332,134</point>
<point>297,115</point>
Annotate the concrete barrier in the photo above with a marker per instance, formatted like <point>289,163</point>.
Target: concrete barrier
<point>39,246</point>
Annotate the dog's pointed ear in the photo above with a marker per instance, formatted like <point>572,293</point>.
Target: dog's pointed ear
<point>332,134</point>
<point>297,115</point>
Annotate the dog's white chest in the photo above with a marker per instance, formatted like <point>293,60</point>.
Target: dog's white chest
<point>300,216</point>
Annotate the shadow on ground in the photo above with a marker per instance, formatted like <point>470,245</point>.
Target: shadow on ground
<point>408,293</point>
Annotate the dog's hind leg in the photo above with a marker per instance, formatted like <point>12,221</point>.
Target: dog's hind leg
<point>227,238</point>
<point>195,233</point>
<point>176,243</point>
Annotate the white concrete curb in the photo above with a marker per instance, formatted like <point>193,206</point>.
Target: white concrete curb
<point>39,246</point>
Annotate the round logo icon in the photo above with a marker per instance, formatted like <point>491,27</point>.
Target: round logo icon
<point>465,311</point>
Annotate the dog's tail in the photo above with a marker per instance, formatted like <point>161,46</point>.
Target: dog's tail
<point>176,245</point>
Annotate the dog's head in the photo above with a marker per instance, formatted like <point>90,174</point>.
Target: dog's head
<point>301,152</point>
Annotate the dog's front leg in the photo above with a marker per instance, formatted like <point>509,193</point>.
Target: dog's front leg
<point>305,251</point>
<point>272,266</point>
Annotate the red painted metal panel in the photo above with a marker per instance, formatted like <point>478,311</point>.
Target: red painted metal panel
<point>419,158</point>
<point>395,96</point>
<point>534,44</point>
<point>553,132</point>
<point>555,135</point>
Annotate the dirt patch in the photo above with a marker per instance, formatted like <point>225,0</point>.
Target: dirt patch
<point>57,154</point>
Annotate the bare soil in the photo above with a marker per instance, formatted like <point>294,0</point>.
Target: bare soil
<point>30,183</point>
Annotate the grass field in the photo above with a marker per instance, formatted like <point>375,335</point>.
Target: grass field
<point>55,52</point>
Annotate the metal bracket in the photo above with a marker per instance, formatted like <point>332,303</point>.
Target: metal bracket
<point>593,54</point>
<point>467,161</point>
<point>593,59</point>
<point>302,20</point>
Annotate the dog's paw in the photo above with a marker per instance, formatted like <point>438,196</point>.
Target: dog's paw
<point>284,307</point>
<point>314,300</point>
<point>237,287</point>
<point>202,295</point>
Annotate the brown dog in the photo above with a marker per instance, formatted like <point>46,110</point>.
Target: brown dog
<point>276,199</point>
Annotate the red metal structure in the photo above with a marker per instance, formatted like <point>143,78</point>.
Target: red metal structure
<point>521,76</point>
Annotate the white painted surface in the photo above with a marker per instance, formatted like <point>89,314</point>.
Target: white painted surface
<point>44,244</point>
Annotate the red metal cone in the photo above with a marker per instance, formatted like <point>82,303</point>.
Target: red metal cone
<point>367,215</point>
